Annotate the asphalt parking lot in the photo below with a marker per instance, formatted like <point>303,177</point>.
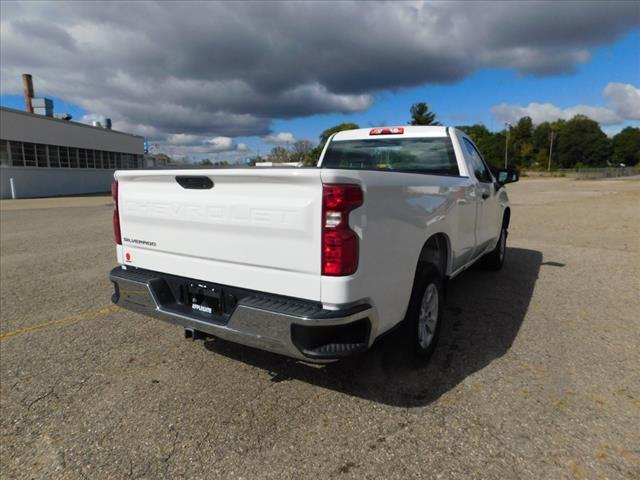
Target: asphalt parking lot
<point>537,374</point>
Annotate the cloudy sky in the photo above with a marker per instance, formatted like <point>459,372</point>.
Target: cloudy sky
<point>228,79</point>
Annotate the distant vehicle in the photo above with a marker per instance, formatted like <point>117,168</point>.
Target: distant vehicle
<point>313,263</point>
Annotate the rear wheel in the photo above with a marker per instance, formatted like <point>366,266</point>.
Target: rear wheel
<point>495,259</point>
<point>424,316</point>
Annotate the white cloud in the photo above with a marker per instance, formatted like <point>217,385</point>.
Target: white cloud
<point>221,144</point>
<point>625,99</point>
<point>90,118</point>
<point>182,139</point>
<point>623,104</point>
<point>547,112</point>
<point>282,138</point>
<point>199,146</point>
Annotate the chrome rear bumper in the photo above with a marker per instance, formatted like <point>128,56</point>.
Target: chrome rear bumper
<point>290,327</point>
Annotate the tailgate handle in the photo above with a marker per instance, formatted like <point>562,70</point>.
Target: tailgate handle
<point>195,183</point>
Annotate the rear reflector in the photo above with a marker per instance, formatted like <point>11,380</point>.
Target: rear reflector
<point>339,242</point>
<point>386,131</point>
<point>116,214</point>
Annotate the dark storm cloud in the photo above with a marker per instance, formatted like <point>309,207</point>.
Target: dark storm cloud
<point>227,69</point>
<point>49,32</point>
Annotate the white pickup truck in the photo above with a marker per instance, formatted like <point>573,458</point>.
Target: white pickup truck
<point>313,263</point>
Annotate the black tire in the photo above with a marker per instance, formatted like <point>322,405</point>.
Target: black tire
<point>495,258</point>
<point>428,277</point>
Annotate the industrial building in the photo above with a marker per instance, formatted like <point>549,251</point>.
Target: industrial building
<point>41,155</point>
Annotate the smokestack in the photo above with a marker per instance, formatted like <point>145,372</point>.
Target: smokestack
<point>107,123</point>
<point>27,87</point>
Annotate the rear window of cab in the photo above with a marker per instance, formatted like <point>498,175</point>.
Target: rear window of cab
<point>433,156</point>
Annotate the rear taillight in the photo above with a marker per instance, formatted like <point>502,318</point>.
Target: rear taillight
<point>116,214</point>
<point>339,242</point>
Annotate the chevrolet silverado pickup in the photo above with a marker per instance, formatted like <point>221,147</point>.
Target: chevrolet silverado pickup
<point>313,263</point>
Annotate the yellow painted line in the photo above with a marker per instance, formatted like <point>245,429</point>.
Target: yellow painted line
<point>62,321</point>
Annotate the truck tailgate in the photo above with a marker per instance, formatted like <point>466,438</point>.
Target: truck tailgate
<point>256,229</point>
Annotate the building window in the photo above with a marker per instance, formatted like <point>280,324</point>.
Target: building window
<point>41,155</point>
<point>4,153</point>
<point>132,161</point>
<point>29,154</point>
<point>17,156</point>
<point>54,156</point>
<point>82,158</point>
<point>73,157</point>
<point>64,157</point>
<point>21,154</point>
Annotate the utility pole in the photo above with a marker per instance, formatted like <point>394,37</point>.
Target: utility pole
<point>550,150</point>
<point>507,126</point>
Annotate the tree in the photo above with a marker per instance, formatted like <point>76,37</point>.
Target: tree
<point>626,146</point>
<point>302,146</point>
<point>476,132</point>
<point>581,142</point>
<point>303,152</point>
<point>324,136</point>
<point>491,145</point>
<point>420,115</point>
<point>521,142</point>
<point>523,129</point>
<point>279,155</point>
<point>541,137</point>
<point>541,140</point>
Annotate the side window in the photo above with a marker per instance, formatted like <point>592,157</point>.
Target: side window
<point>477,164</point>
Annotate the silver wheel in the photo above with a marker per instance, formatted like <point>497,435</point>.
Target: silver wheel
<point>428,319</point>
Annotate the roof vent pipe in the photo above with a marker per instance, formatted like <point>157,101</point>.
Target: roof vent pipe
<point>107,123</point>
<point>27,87</point>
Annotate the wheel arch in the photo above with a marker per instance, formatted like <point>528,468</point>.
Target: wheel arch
<point>437,251</point>
<point>506,217</point>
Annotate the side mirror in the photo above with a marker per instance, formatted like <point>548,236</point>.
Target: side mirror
<point>507,175</point>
